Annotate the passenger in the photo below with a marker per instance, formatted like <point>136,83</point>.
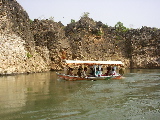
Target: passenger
<point>108,71</point>
<point>84,72</point>
<point>85,68</point>
<point>101,71</point>
<point>112,72</point>
<point>92,71</point>
<point>114,68</point>
<point>70,71</point>
<point>98,71</point>
<point>79,73</point>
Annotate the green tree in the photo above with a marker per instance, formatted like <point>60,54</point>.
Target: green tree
<point>73,21</point>
<point>85,14</point>
<point>120,27</point>
<point>30,20</point>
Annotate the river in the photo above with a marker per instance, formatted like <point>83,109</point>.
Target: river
<point>41,96</point>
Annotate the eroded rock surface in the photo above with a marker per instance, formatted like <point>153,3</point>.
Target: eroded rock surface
<point>41,45</point>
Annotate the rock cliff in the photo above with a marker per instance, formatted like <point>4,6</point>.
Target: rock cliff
<point>17,47</point>
<point>137,48</point>
<point>144,47</point>
<point>51,35</point>
<point>42,45</point>
<point>92,40</point>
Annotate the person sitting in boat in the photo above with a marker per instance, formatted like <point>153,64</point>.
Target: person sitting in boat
<point>79,73</point>
<point>98,71</point>
<point>108,71</point>
<point>92,71</point>
<point>112,72</point>
<point>70,71</point>
<point>84,72</point>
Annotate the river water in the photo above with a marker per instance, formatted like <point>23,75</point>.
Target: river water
<point>41,96</point>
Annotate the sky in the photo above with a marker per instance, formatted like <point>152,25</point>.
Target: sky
<point>132,13</point>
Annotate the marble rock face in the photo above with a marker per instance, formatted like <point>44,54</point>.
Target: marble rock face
<point>29,46</point>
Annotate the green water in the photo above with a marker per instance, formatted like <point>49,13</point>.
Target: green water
<point>41,96</point>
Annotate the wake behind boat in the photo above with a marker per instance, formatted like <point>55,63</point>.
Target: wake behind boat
<point>95,66</point>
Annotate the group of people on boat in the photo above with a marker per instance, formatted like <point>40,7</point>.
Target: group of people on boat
<point>110,71</point>
<point>94,71</point>
<point>82,72</point>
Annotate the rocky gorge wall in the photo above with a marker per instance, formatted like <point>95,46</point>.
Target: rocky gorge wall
<point>51,35</point>
<point>92,40</point>
<point>17,47</point>
<point>41,45</point>
<point>136,48</point>
<point>144,47</point>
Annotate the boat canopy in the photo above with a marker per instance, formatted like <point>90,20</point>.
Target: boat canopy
<point>94,62</point>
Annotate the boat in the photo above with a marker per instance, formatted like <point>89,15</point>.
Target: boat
<point>90,63</point>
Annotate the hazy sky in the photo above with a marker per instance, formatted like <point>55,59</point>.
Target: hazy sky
<point>132,13</point>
